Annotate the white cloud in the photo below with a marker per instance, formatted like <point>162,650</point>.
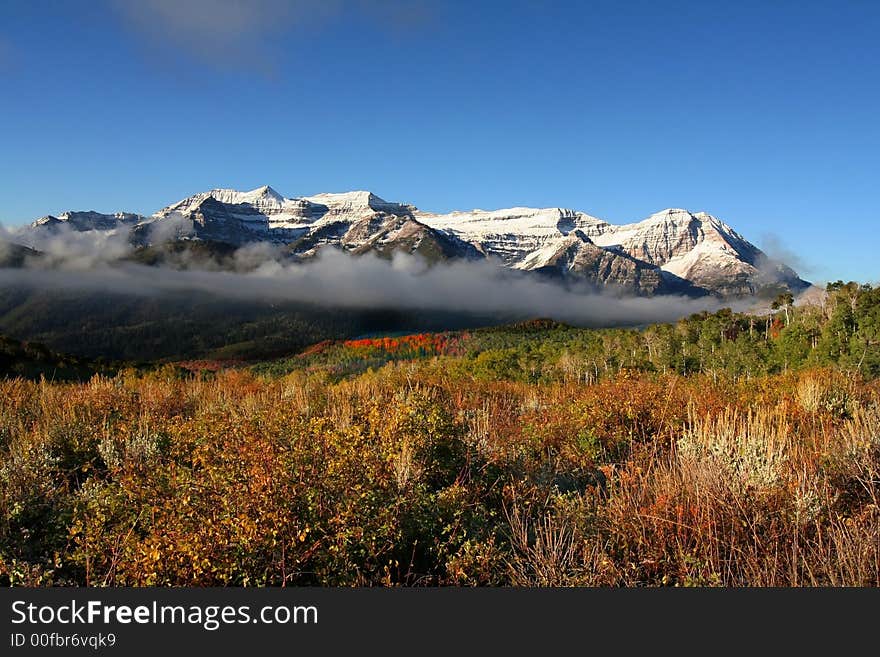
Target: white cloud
<point>340,280</point>
<point>247,33</point>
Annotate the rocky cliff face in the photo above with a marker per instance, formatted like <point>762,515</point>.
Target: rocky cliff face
<point>673,251</point>
<point>575,256</point>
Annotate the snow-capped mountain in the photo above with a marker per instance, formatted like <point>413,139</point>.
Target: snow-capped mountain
<point>701,249</point>
<point>84,221</point>
<point>670,251</point>
<point>355,221</point>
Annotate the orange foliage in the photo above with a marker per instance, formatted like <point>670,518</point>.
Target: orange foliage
<point>417,474</point>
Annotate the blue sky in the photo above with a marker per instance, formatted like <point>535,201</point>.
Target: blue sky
<point>766,114</point>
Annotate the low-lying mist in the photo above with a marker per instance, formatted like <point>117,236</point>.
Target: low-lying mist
<point>93,262</point>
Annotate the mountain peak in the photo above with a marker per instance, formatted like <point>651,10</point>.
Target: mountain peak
<point>48,220</point>
<point>264,195</point>
<point>358,201</point>
<point>266,191</point>
<point>676,215</point>
<point>87,220</point>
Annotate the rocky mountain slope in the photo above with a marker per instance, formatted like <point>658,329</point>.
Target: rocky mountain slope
<point>673,251</point>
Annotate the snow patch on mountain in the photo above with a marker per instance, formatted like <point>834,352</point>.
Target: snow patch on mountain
<point>514,234</point>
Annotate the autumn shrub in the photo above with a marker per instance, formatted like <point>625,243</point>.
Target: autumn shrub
<point>430,473</point>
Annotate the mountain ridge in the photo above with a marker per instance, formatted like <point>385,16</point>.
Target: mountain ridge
<point>671,251</point>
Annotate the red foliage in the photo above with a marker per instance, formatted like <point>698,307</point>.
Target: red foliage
<point>206,365</point>
<point>419,344</point>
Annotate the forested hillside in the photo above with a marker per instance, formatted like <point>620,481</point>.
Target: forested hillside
<point>841,330</point>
